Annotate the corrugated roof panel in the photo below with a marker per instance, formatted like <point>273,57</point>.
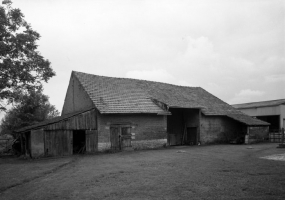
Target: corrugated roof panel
<point>260,104</point>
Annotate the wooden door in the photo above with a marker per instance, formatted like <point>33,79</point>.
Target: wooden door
<point>114,137</point>
<point>91,141</point>
<point>126,137</point>
<point>191,135</point>
<point>58,143</point>
<point>120,137</point>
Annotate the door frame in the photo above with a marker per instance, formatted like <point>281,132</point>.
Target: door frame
<point>119,126</point>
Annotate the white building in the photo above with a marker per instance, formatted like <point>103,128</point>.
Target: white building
<point>270,111</point>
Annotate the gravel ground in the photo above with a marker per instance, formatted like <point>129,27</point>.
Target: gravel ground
<point>197,172</point>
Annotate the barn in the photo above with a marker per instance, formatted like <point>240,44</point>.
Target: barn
<point>116,113</point>
<point>272,111</point>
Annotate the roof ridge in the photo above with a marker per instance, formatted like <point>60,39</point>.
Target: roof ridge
<point>136,80</point>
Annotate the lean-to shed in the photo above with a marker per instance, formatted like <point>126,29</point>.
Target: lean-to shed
<point>71,133</point>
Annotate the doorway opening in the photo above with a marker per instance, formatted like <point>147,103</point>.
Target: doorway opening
<point>79,142</point>
<point>274,121</point>
<point>191,138</point>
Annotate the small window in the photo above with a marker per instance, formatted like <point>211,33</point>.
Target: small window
<point>126,130</point>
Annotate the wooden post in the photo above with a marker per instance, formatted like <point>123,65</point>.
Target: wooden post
<point>247,141</point>
<point>26,145</point>
<point>22,144</point>
<point>183,138</point>
<point>199,128</point>
<point>282,136</point>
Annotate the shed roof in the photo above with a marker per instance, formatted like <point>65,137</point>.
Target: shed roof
<point>250,121</point>
<point>51,121</point>
<point>123,95</point>
<point>260,104</point>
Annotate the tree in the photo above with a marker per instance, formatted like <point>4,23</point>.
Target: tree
<point>33,107</point>
<point>22,68</point>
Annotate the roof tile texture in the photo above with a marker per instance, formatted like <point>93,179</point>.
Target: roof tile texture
<point>123,95</point>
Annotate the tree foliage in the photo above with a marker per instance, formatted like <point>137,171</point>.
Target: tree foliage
<point>33,107</point>
<point>22,68</point>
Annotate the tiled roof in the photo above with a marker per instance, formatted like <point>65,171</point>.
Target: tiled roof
<point>124,95</point>
<point>245,119</point>
<point>116,95</point>
<point>260,104</point>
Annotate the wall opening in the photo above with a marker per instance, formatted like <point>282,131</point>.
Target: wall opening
<point>274,121</point>
<point>191,136</point>
<point>79,142</point>
<point>183,126</point>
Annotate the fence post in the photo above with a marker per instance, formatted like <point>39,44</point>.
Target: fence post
<point>282,136</point>
<point>274,134</point>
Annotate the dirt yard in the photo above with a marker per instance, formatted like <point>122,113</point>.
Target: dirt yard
<point>198,172</point>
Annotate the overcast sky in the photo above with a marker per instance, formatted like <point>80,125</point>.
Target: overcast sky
<point>233,49</point>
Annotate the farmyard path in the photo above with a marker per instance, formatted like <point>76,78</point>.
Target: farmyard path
<point>199,172</point>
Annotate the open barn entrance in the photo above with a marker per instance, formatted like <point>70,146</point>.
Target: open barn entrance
<point>274,121</point>
<point>183,126</point>
<point>191,136</point>
<point>79,141</point>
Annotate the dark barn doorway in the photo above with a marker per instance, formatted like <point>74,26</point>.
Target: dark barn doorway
<point>79,144</point>
<point>274,121</point>
<point>191,138</point>
<point>183,126</point>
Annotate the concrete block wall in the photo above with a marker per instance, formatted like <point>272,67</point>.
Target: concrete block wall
<point>218,129</point>
<point>145,126</point>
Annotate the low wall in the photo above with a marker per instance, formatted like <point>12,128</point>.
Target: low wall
<point>137,145</point>
<point>258,134</point>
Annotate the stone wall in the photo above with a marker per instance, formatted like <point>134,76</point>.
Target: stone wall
<point>143,126</point>
<point>220,129</point>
